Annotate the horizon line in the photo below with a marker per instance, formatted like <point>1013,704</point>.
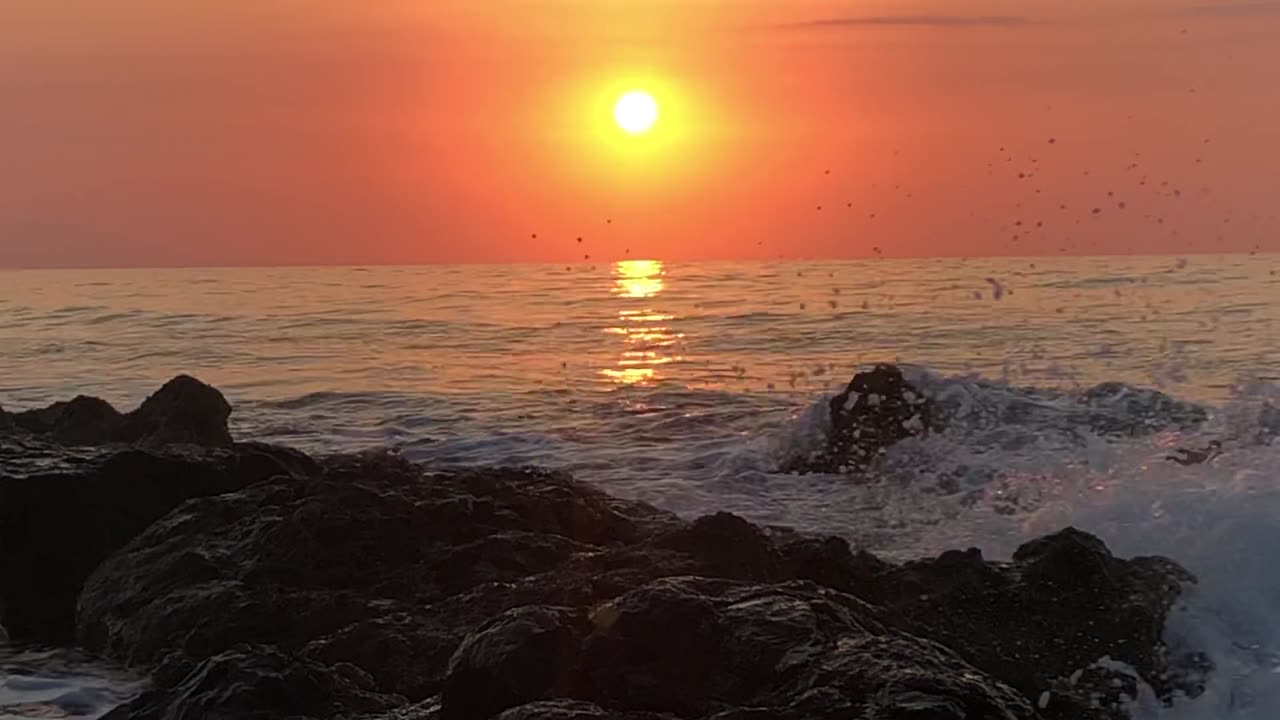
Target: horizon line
<point>579,263</point>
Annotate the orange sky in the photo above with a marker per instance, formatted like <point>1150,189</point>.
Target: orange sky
<point>149,132</point>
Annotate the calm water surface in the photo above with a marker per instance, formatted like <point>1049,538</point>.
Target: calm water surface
<point>1195,325</point>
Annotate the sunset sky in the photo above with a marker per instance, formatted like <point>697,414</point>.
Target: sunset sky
<point>153,132</point>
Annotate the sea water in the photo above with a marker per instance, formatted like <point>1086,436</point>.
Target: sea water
<point>686,385</point>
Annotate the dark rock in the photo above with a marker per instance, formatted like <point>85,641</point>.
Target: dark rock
<point>82,421</point>
<point>831,563</point>
<point>878,409</point>
<point>1010,619</point>
<point>256,683</point>
<point>368,539</point>
<point>529,653</point>
<point>183,411</point>
<point>63,511</point>
<point>693,647</point>
<point>523,594</point>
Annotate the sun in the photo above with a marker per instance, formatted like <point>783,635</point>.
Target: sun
<point>636,112</point>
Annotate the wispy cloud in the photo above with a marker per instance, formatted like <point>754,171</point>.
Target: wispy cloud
<point>942,21</point>
<point>1246,9</point>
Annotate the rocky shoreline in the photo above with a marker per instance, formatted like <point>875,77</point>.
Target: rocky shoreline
<point>253,581</point>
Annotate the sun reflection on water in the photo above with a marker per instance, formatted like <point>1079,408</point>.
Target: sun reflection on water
<point>637,278</point>
<point>650,342</point>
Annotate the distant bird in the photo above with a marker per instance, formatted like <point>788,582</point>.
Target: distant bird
<point>579,240</point>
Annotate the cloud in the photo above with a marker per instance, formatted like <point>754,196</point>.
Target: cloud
<point>1245,9</point>
<point>945,21</point>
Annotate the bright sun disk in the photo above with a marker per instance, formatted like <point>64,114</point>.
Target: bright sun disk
<point>636,112</point>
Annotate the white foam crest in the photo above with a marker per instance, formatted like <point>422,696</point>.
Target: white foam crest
<point>1016,463</point>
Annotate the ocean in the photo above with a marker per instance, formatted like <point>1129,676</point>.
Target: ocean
<point>687,384</point>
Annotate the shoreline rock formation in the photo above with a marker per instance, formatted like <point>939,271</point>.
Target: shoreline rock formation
<point>256,582</point>
<point>878,409</point>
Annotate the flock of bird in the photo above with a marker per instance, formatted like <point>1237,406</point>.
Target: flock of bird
<point>1032,224</point>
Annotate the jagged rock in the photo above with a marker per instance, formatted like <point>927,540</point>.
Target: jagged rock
<point>82,421</point>
<point>256,683</point>
<point>183,411</point>
<point>529,653</point>
<point>63,511</point>
<point>453,585</point>
<point>1009,619</point>
<point>878,409</point>
<point>371,529</point>
<point>693,647</point>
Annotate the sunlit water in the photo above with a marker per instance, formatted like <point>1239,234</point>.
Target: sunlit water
<point>685,384</point>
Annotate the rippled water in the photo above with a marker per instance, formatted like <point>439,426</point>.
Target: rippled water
<point>686,384</point>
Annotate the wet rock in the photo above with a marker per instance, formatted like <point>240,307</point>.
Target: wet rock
<point>1011,620</point>
<point>371,559</point>
<point>82,421</point>
<point>514,592</point>
<point>62,511</point>
<point>7,427</point>
<point>694,647</point>
<point>529,653</point>
<point>183,411</point>
<point>878,409</point>
<point>256,683</point>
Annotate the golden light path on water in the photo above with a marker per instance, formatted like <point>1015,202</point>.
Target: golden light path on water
<point>649,342</point>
